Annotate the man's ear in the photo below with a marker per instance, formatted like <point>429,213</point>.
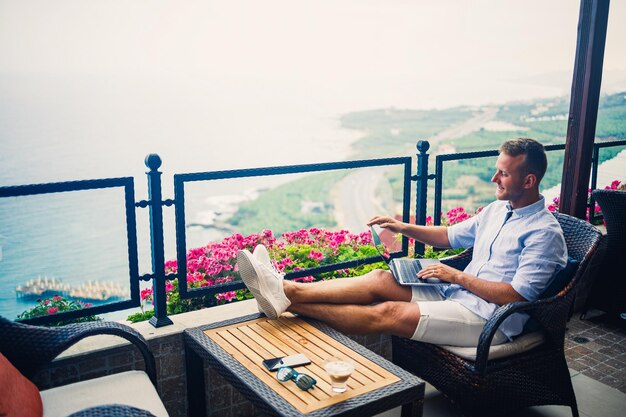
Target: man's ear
<point>530,180</point>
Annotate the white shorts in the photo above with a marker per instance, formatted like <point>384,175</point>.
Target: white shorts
<point>445,322</point>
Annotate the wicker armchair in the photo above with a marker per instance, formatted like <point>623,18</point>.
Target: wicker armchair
<point>31,348</point>
<point>539,376</point>
<point>608,292</point>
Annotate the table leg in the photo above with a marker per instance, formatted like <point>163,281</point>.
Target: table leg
<point>196,386</point>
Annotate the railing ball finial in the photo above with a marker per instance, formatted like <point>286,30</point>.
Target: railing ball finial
<point>153,161</point>
<point>422,146</point>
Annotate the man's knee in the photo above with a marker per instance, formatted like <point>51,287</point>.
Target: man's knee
<point>397,317</point>
<point>380,280</point>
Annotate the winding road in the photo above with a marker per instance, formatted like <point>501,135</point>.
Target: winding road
<point>357,197</point>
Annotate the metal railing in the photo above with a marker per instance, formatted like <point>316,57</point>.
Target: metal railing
<point>179,200</point>
<point>156,202</point>
<point>439,170</point>
<point>131,235</point>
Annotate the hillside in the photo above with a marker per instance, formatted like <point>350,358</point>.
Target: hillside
<point>394,132</point>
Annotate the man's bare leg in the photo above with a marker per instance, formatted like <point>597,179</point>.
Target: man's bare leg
<point>392,317</point>
<point>374,287</point>
<point>348,304</point>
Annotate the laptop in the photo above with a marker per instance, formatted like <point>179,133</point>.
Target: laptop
<point>405,270</point>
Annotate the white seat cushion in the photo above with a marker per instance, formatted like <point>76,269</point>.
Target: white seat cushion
<point>519,344</point>
<point>129,388</point>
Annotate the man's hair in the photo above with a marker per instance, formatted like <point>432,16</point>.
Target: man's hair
<point>535,161</point>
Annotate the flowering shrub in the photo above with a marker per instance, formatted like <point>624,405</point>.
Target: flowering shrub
<point>615,185</point>
<point>55,305</point>
<point>453,216</point>
<point>215,264</point>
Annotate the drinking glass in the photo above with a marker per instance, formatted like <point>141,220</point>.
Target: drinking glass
<point>339,369</point>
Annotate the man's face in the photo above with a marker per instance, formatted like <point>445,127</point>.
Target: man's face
<point>509,178</point>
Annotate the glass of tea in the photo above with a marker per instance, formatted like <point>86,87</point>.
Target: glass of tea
<point>339,371</point>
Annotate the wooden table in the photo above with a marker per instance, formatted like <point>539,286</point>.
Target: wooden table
<point>237,347</point>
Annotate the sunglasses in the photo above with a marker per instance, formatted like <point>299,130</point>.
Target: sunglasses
<point>303,381</point>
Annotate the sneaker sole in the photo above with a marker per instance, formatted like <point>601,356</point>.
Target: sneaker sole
<point>250,277</point>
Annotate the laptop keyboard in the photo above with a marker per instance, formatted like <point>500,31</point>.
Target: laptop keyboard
<point>407,269</point>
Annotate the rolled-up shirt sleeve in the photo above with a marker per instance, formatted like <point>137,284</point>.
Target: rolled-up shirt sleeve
<point>462,235</point>
<point>544,254</point>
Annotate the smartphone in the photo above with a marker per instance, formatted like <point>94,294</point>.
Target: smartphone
<point>294,360</point>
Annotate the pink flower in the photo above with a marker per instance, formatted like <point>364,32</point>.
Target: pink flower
<point>316,256</point>
<point>613,185</point>
<point>87,305</point>
<point>227,296</point>
<point>46,302</point>
<point>57,298</point>
<point>52,310</point>
<point>146,293</point>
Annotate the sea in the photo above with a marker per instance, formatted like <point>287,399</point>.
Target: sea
<point>56,129</point>
<point>61,128</point>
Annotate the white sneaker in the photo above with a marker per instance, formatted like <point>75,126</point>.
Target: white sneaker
<point>264,283</point>
<point>261,254</point>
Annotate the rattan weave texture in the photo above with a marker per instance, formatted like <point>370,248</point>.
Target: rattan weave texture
<point>609,291</point>
<point>31,348</point>
<point>113,410</point>
<point>536,377</point>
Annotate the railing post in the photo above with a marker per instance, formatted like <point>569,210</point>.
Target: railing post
<point>153,161</point>
<point>421,189</point>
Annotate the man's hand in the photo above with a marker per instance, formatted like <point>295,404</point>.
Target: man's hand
<point>431,235</point>
<point>387,222</point>
<point>495,292</point>
<point>441,271</point>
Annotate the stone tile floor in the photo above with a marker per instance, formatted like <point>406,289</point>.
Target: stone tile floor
<point>596,347</point>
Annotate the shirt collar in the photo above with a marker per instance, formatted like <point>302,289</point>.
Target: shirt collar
<point>529,210</point>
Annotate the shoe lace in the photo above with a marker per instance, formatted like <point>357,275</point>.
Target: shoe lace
<point>274,270</point>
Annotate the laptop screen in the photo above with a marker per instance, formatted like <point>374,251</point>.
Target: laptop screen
<point>378,244</point>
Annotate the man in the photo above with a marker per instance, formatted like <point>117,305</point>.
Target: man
<point>518,248</point>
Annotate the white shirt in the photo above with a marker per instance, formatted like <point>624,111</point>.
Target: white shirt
<point>526,251</point>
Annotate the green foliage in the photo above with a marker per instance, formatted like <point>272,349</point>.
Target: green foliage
<point>280,209</point>
<point>394,131</point>
<point>56,305</point>
<point>141,316</point>
<point>430,253</point>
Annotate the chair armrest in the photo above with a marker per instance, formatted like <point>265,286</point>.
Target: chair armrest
<point>113,410</point>
<point>459,261</point>
<point>545,310</point>
<point>30,348</point>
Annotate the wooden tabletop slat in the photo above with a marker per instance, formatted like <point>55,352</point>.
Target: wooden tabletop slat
<point>275,350</point>
<point>377,371</point>
<point>253,363</point>
<point>358,378</point>
<point>292,348</point>
<point>331,347</point>
<point>253,341</point>
<point>244,345</point>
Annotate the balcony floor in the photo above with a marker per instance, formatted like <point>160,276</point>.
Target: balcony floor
<point>597,366</point>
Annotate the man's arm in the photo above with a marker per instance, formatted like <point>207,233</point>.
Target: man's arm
<point>495,292</point>
<point>431,235</point>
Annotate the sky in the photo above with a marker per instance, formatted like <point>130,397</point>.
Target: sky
<point>372,52</point>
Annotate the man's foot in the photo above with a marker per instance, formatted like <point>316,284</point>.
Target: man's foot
<point>261,254</point>
<point>264,283</point>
